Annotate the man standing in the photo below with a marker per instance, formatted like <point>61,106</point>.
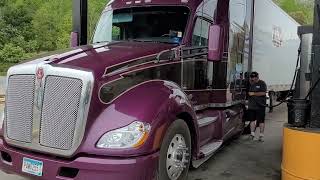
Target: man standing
<point>257,105</point>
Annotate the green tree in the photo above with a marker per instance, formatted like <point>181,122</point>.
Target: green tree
<point>47,25</point>
<point>11,53</point>
<point>300,10</point>
<point>53,29</point>
<point>28,27</point>
<point>95,9</point>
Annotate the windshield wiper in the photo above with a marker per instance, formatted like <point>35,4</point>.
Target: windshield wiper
<point>140,40</point>
<point>154,41</point>
<point>98,42</point>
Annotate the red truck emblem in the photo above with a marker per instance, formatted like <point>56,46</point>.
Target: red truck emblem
<point>40,73</point>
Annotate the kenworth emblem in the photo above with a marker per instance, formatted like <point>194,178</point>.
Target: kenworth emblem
<point>38,93</point>
<point>40,73</point>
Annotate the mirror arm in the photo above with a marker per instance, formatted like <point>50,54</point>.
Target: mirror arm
<point>74,39</point>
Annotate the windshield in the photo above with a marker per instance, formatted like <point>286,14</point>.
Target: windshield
<point>147,24</point>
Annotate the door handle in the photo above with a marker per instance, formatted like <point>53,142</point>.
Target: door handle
<point>228,114</point>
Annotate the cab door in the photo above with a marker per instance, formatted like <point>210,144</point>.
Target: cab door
<point>198,74</point>
<point>236,61</point>
<point>197,78</point>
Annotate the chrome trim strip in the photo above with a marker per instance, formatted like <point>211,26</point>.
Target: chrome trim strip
<point>88,82</point>
<point>131,60</point>
<point>129,89</point>
<point>218,105</point>
<point>196,90</point>
<point>206,121</point>
<point>135,70</point>
<point>140,58</point>
<point>123,69</point>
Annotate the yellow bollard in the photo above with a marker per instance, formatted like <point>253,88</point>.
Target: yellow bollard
<point>301,154</point>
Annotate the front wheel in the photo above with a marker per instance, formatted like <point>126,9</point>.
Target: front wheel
<point>175,152</point>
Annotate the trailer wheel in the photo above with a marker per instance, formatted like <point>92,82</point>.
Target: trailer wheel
<point>271,99</point>
<point>175,152</point>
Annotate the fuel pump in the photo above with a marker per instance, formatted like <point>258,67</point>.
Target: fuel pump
<point>301,135</point>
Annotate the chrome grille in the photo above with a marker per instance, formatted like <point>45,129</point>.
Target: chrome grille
<point>19,107</point>
<point>60,111</point>
<point>49,114</point>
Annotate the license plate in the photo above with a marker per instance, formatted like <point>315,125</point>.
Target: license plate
<point>32,166</point>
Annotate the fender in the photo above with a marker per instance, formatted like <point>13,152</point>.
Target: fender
<point>156,102</point>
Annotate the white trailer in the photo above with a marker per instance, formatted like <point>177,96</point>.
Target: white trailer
<point>275,45</point>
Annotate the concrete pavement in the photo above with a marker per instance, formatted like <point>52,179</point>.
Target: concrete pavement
<point>2,85</point>
<point>241,159</point>
<point>4,176</point>
<point>244,159</point>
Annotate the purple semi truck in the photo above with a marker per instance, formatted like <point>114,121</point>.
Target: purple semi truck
<point>160,89</point>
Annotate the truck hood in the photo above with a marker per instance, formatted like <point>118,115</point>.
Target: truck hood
<point>98,57</point>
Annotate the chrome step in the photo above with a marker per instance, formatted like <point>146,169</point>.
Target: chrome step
<point>211,147</point>
<point>208,150</point>
<point>206,121</point>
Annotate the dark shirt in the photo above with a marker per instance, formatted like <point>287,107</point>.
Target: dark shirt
<point>257,102</point>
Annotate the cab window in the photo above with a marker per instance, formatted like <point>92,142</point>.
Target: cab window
<point>201,32</point>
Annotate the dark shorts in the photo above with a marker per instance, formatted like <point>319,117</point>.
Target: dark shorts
<point>258,115</point>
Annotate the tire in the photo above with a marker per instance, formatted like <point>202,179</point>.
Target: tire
<point>177,133</point>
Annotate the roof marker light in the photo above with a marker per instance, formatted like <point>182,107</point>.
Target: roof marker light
<point>129,2</point>
<point>137,2</point>
<point>147,1</point>
<point>184,1</point>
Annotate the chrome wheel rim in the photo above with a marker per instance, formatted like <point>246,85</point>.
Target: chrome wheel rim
<point>177,157</point>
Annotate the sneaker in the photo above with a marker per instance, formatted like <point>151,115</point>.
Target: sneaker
<point>261,138</point>
<point>251,137</point>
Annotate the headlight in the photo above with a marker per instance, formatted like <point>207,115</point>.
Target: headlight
<point>131,136</point>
